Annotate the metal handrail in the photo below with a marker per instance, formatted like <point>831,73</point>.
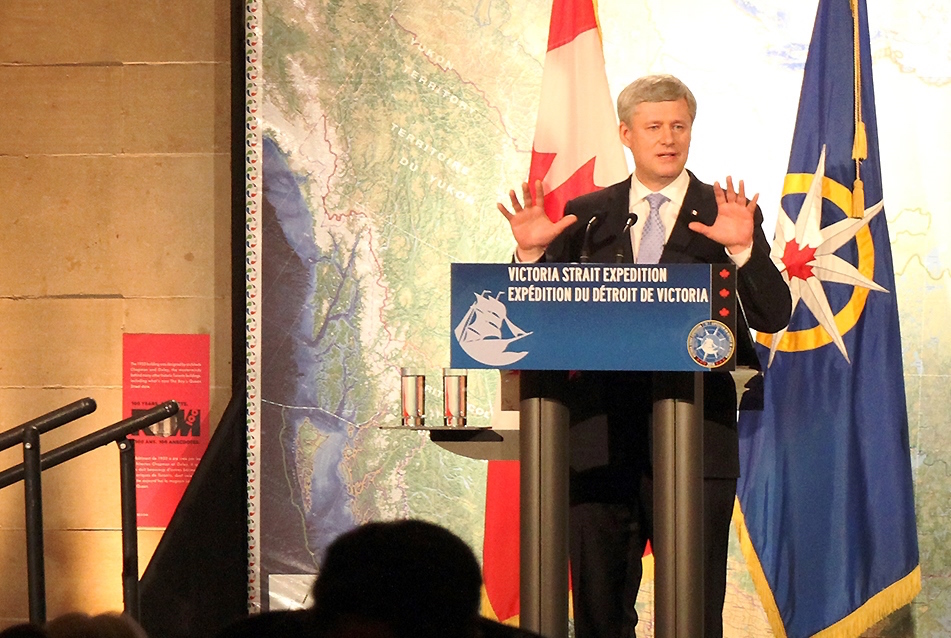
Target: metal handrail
<point>34,463</point>
<point>109,434</point>
<point>48,421</point>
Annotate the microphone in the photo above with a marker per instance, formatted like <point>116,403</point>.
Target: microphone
<point>586,242</point>
<point>625,236</point>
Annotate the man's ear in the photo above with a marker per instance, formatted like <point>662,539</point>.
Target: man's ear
<point>624,132</point>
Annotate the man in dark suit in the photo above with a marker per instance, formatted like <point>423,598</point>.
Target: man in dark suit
<point>679,219</point>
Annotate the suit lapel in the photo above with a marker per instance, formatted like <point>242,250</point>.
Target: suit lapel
<point>684,245</point>
<point>622,204</point>
<point>606,238</point>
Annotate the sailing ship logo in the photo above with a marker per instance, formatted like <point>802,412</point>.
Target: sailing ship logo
<point>486,331</point>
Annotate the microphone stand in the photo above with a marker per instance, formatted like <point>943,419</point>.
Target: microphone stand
<point>625,234</point>
<point>585,256</point>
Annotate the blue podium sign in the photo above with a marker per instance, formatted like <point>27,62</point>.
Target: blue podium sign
<point>663,317</point>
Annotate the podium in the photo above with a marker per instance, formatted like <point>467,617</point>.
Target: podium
<point>675,320</point>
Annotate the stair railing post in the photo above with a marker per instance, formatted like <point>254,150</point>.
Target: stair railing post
<point>33,495</point>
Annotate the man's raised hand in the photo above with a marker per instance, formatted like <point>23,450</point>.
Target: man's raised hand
<point>733,226</point>
<point>531,228</point>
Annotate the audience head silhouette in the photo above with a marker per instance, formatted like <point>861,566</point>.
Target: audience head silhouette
<point>23,630</point>
<point>78,625</point>
<point>398,579</point>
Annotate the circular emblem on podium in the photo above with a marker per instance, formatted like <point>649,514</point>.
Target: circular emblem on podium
<point>710,343</point>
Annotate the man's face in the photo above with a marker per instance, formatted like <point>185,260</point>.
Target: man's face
<point>659,139</point>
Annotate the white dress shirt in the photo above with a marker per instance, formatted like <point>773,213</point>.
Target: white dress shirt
<point>669,210</point>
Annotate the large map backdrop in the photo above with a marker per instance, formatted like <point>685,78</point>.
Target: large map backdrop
<point>381,134</point>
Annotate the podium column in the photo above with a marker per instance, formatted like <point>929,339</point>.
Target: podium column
<point>678,505</point>
<point>543,457</point>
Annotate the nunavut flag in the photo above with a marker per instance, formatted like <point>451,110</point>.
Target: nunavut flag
<point>827,518</point>
<point>576,150</point>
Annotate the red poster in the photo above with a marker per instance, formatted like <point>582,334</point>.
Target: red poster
<point>158,368</point>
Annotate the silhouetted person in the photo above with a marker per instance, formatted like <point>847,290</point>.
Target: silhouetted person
<point>409,578</point>
<point>397,579</point>
<point>279,624</point>
<point>402,579</point>
<point>23,630</point>
<point>79,625</point>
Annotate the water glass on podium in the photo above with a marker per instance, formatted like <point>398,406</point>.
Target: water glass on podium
<point>454,397</point>
<point>413,397</point>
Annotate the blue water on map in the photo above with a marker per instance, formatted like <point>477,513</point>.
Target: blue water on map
<point>298,522</point>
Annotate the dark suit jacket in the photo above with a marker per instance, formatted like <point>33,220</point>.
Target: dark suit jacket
<point>609,451</point>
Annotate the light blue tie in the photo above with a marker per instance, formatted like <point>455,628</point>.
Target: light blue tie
<point>653,234</point>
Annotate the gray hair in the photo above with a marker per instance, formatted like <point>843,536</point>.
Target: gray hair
<point>653,88</point>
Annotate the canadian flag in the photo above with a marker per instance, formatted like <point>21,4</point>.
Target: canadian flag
<point>576,150</point>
